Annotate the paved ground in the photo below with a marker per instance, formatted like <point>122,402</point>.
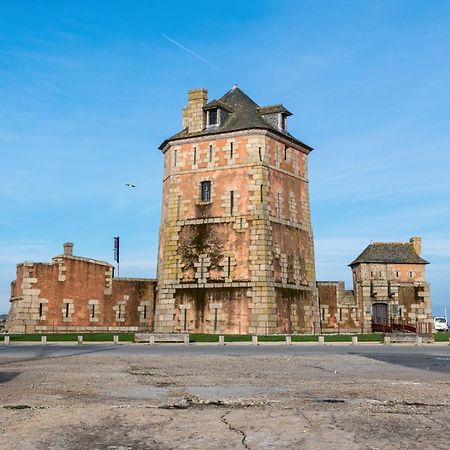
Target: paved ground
<point>237,396</point>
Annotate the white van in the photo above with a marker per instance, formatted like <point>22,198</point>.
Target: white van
<point>440,324</point>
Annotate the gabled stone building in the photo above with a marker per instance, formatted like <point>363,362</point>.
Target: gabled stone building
<point>236,246</point>
<point>390,285</point>
<point>390,292</point>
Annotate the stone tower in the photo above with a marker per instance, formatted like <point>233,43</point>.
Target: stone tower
<point>236,246</point>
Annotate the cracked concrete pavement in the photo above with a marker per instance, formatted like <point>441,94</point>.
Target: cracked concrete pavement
<point>167,397</point>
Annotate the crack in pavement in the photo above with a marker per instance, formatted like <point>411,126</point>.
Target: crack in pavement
<point>234,429</point>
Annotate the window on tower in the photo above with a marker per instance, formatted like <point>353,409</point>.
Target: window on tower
<point>205,191</point>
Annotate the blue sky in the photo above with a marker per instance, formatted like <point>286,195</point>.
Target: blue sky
<point>88,90</point>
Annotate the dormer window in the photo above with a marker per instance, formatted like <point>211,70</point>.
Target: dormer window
<point>213,117</point>
<point>283,121</point>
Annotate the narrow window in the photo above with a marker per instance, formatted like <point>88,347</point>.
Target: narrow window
<point>286,149</point>
<point>205,191</point>
<point>283,121</point>
<point>41,309</point>
<point>371,274</point>
<point>380,274</point>
<point>397,274</point>
<point>195,156</point>
<point>120,311</point>
<point>145,312</point>
<point>185,320</point>
<point>175,158</point>
<point>241,224</point>
<point>400,312</point>
<point>323,313</point>
<point>93,311</point>
<point>340,314</point>
<point>215,320</point>
<point>231,203</point>
<point>228,266</point>
<point>278,204</point>
<point>260,153</point>
<point>210,153</point>
<point>231,150</point>
<point>410,274</point>
<point>261,192</point>
<point>67,309</point>
<point>178,207</point>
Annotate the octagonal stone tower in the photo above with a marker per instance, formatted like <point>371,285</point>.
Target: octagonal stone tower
<point>236,245</point>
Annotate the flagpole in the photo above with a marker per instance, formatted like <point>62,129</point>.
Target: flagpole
<point>117,253</point>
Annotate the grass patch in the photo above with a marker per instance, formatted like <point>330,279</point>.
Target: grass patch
<point>442,336</point>
<point>213,338</point>
<point>17,407</point>
<point>72,337</point>
<point>372,337</point>
<point>197,337</point>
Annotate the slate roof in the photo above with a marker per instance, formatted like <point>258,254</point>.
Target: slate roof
<point>389,252</point>
<point>243,114</point>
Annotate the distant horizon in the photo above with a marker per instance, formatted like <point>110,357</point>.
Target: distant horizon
<point>89,91</point>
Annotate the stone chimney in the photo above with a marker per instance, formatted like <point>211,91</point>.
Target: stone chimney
<point>68,249</point>
<point>194,118</point>
<point>416,241</point>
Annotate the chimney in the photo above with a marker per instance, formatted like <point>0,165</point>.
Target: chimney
<point>416,241</point>
<point>68,249</point>
<point>193,115</point>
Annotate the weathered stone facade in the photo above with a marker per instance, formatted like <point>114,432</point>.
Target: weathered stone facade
<point>72,293</point>
<point>390,285</point>
<point>236,246</point>
<point>390,292</point>
<point>338,309</point>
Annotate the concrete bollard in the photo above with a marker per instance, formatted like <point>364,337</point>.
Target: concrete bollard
<point>116,339</point>
<point>151,341</point>
<point>288,340</point>
<point>448,340</point>
<point>254,340</point>
<point>419,340</point>
<point>321,340</point>
<point>387,340</point>
<point>186,339</point>
<point>354,340</point>
<point>6,340</point>
<point>80,339</point>
<point>221,340</point>
<point>44,340</point>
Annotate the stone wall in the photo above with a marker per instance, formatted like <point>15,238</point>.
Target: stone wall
<point>401,287</point>
<point>74,293</point>
<point>338,309</point>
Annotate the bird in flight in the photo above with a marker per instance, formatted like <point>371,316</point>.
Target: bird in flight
<point>130,185</point>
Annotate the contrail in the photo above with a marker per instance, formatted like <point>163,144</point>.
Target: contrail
<point>189,51</point>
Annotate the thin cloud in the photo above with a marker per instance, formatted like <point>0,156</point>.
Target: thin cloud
<point>196,55</point>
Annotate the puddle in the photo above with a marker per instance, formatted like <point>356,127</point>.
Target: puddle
<point>8,376</point>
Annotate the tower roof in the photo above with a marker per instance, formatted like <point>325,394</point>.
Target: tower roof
<point>242,114</point>
<point>389,253</point>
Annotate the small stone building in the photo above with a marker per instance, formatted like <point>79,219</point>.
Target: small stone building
<point>390,292</point>
<point>391,288</point>
<point>236,246</point>
<point>73,293</point>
